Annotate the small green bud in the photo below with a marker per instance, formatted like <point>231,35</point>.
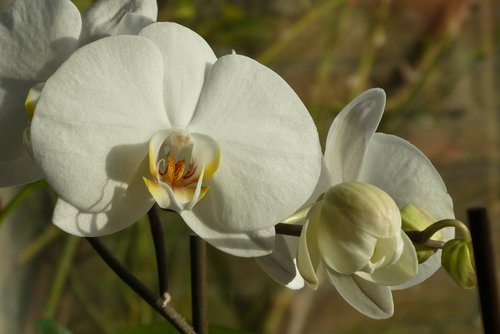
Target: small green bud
<point>458,260</point>
<point>416,219</point>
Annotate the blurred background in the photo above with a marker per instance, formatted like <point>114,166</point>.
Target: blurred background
<point>438,62</point>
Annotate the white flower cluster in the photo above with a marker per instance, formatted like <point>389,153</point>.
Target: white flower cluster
<point>118,112</point>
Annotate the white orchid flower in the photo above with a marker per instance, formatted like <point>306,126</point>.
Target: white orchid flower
<point>354,152</point>
<point>355,233</point>
<point>231,146</point>
<point>36,37</point>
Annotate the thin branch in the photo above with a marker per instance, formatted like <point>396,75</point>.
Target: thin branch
<point>159,245</point>
<point>288,229</point>
<point>484,256</point>
<point>415,236</point>
<point>424,237</point>
<point>198,252</point>
<point>165,310</point>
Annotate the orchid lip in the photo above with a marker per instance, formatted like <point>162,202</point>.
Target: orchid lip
<point>179,162</point>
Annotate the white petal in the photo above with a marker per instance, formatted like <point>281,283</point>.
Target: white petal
<point>270,152</point>
<point>425,270</point>
<point>248,244</point>
<point>324,183</point>
<point>35,38</point>
<point>389,250</point>
<point>372,300</point>
<point>95,118</point>
<point>308,256</point>
<point>405,173</point>
<point>186,58</point>
<point>403,270</point>
<point>132,205</point>
<point>281,264</point>
<point>116,17</point>
<point>350,134</point>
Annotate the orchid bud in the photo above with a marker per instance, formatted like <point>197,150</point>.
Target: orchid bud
<point>359,228</point>
<point>458,260</point>
<point>363,206</point>
<point>416,219</point>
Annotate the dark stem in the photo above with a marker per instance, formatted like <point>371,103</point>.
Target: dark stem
<point>166,311</point>
<point>484,256</point>
<point>415,236</point>
<point>198,251</point>
<point>288,229</point>
<point>159,245</point>
<point>419,238</point>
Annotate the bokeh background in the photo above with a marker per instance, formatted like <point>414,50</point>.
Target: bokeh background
<point>437,60</point>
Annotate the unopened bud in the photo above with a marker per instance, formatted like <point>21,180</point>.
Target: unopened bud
<point>416,219</point>
<point>363,206</point>
<point>458,260</point>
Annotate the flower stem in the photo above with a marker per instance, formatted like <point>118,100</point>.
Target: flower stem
<point>484,257</point>
<point>20,196</point>
<point>157,303</point>
<point>288,229</point>
<point>198,251</point>
<point>423,237</point>
<point>159,245</point>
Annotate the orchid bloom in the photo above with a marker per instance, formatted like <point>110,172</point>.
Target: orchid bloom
<point>354,152</point>
<point>355,233</point>
<point>130,120</point>
<point>36,37</point>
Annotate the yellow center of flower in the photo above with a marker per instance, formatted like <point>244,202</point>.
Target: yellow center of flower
<point>174,172</point>
<point>179,162</point>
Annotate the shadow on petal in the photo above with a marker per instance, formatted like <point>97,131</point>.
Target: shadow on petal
<point>126,207</point>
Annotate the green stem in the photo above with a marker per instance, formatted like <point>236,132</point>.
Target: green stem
<point>425,235</point>
<point>61,276</point>
<point>20,196</point>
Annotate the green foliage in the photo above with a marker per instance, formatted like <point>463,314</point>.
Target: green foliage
<point>49,326</point>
